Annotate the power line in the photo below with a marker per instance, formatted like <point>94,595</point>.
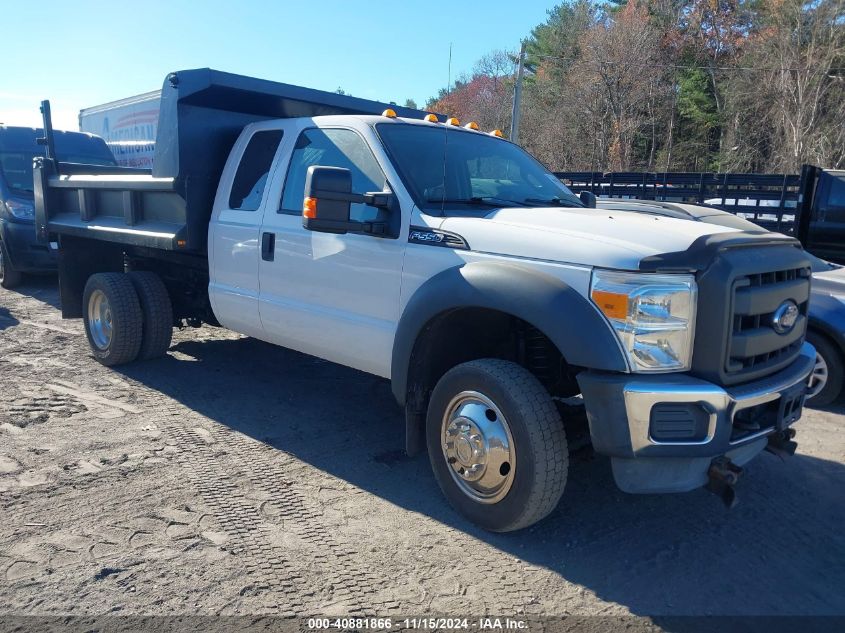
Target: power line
<point>687,67</point>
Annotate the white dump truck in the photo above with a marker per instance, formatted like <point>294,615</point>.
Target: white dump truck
<point>451,262</point>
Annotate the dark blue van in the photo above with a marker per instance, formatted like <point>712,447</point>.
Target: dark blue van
<point>19,251</point>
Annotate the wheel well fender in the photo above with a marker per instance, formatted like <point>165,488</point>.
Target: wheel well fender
<point>564,315</point>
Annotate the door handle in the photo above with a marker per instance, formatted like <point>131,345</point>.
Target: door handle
<point>268,246</point>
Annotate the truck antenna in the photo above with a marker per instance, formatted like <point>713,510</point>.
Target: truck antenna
<point>446,135</point>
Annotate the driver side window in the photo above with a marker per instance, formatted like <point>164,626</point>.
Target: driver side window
<point>333,148</point>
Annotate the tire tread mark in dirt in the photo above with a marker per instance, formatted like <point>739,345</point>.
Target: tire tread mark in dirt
<point>268,569</point>
<point>508,591</point>
<point>353,583</point>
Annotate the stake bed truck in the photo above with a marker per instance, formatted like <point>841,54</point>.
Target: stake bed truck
<point>451,262</point>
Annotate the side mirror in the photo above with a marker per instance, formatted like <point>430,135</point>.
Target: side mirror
<point>588,198</point>
<point>328,197</point>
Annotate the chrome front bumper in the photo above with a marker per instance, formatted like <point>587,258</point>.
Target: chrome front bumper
<point>627,415</point>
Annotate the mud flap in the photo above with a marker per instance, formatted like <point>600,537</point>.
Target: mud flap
<point>414,432</point>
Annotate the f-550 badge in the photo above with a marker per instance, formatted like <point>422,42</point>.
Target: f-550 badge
<point>426,236</point>
<point>435,237</point>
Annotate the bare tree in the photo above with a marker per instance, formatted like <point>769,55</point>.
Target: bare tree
<point>623,65</point>
<point>805,42</point>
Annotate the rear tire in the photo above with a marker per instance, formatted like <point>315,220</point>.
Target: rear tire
<point>496,444</point>
<point>9,277</point>
<point>113,318</point>
<point>157,314</point>
<point>828,374</point>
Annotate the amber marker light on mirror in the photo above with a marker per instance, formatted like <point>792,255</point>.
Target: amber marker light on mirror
<point>309,208</point>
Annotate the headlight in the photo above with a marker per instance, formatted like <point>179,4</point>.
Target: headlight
<point>653,315</point>
<point>20,210</point>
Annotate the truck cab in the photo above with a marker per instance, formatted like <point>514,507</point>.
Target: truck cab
<point>821,222</point>
<point>451,262</point>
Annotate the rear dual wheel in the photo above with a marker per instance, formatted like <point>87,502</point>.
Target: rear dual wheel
<point>127,317</point>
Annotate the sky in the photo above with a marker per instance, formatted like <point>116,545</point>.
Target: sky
<point>82,53</point>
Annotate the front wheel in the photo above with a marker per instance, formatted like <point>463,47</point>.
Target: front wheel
<point>9,277</point>
<point>825,383</point>
<point>496,444</point>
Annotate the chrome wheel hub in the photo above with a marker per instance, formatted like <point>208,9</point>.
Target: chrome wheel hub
<point>478,447</point>
<point>100,319</point>
<point>818,379</point>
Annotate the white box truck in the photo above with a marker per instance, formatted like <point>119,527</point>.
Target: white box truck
<point>129,127</point>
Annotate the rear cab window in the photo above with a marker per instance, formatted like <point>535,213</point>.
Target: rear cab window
<point>253,171</point>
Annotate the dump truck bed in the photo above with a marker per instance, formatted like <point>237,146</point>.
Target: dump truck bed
<point>202,113</point>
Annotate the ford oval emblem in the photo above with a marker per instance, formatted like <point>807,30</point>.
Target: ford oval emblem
<point>785,317</point>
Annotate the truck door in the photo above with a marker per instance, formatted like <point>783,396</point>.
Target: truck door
<point>826,235</point>
<point>332,296</point>
<point>233,242</point>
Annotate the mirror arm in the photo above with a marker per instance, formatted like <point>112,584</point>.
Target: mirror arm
<point>348,226</point>
<point>374,228</point>
<point>380,199</point>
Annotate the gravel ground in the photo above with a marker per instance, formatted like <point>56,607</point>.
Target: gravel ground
<point>234,477</point>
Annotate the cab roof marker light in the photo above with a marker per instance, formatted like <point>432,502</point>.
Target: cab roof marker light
<point>497,134</point>
<point>431,118</point>
<point>390,113</point>
<point>472,125</point>
<point>452,121</point>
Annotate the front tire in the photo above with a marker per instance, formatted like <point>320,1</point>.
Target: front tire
<point>9,277</point>
<point>825,385</point>
<point>113,318</point>
<point>497,444</point>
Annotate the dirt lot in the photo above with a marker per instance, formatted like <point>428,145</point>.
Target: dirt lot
<point>235,477</point>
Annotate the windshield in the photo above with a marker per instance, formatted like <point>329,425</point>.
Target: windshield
<point>18,146</point>
<point>453,171</point>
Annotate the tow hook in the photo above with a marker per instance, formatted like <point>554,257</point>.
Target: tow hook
<point>723,475</point>
<point>781,443</point>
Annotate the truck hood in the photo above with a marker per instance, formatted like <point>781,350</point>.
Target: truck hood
<point>593,237</point>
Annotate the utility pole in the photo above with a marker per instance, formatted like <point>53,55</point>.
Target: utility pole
<point>517,95</point>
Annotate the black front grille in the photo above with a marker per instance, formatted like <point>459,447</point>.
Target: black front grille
<point>735,340</point>
<point>753,342</point>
